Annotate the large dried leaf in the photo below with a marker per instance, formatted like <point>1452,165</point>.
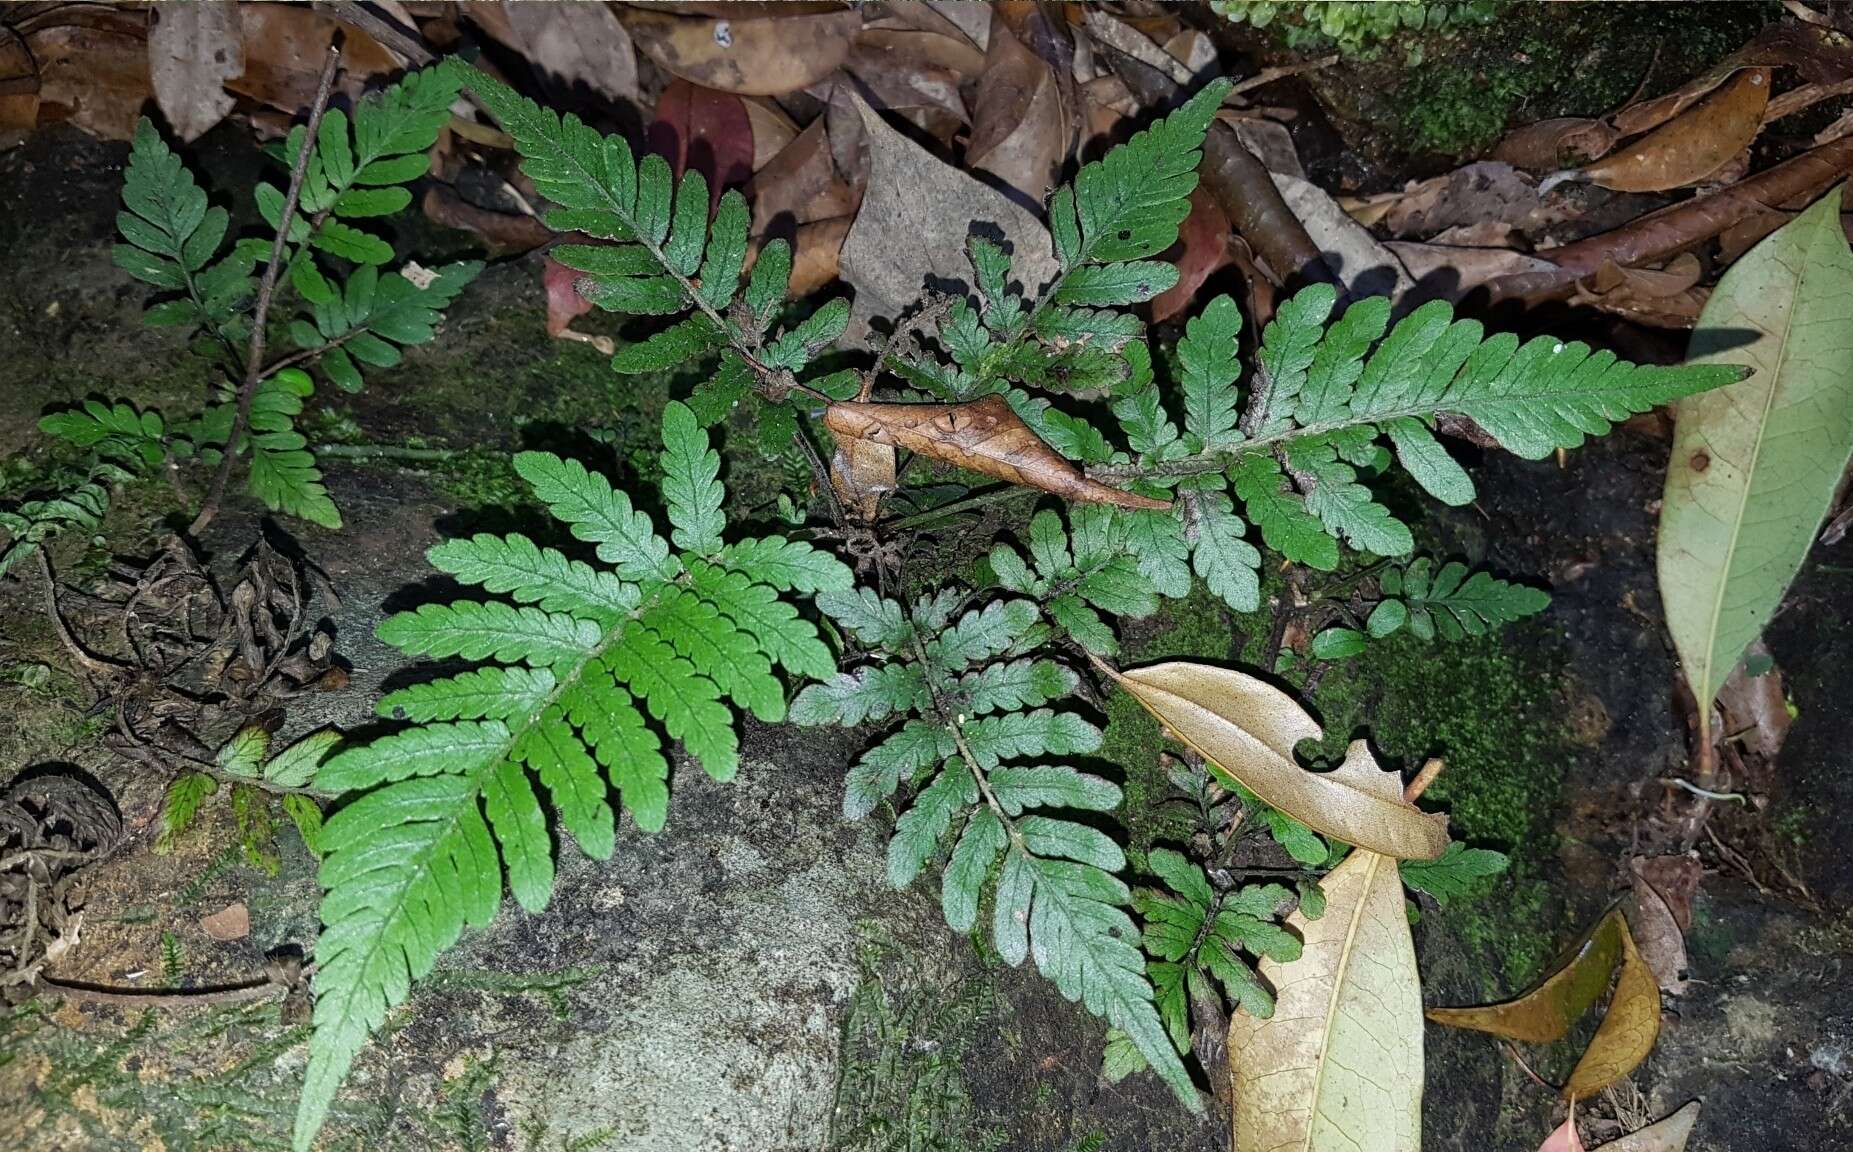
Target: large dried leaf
<point>1755,465</point>
<point>915,220</point>
<point>19,89</point>
<point>799,185</point>
<point>1248,730</point>
<point>1658,933</point>
<point>705,130</point>
<point>193,49</point>
<point>1694,145</point>
<point>1338,1068</point>
<point>769,56</point>
<point>985,436</point>
<point>1354,257</point>
<point>93,74</point>
<point>1546,1014</point>
<point>283,49</point>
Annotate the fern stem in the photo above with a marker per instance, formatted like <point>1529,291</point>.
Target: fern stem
<point>266,289</point>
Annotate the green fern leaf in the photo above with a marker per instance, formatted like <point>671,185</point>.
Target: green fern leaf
<point>1017,684</point>
<point>916,746</point>
<point>1207,355</point>
<point>873,692</point>
<point>691,484</point>
<point>1229,565</point>
<point>441,811</point>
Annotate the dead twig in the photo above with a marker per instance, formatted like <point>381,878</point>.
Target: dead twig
<point>92,665</point>
<point>254,355</point>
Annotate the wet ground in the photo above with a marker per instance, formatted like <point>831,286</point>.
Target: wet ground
<point>744,980</point>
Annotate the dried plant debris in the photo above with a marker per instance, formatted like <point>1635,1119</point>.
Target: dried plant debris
<point>183,664</point>
<point>51,826</point>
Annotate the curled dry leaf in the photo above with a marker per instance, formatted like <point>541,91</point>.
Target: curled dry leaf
<point>769,56</point>
<point>1545,1014</point>
<point>1560,142</point>
<point>193,49</point>
<point>1755,708</point>
<point>1339,1065</point>
<point>1755,465</point>
<point>985,436</point>
<point>1247,729</point>
<point>1666,297</point>
<point>914,222</point>
<point>1696,144</point>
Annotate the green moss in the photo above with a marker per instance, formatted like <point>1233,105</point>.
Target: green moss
<point>1540,60</point>
<point>1490,708</point>
<point>483,479</point>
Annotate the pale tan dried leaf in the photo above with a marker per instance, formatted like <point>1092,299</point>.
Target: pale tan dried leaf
<point>1248,729</point>
<point>1355,258</point>
<point>896,80</point>
<point>283,47</point>
<point>576,44</point>
<point>769,56</point>
<point>1694,145</point>
<point>949,51</point>
<point>914,222</point>
<point>193,49</point>
<point>985,436</point>
<point>1269,140</point>
<point>1668,1135</point>
<point>925,17</point>
<point>862,472</point>
<point>1545,1014</point>
<point>232,922</point>
<point>1339,1065</point>
<point>816,255</point>
<point>1756,708</point>
<point>1124,38</point>
<point>773,130</point>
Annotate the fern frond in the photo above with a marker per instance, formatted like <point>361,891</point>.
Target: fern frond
<point>441,810</point>
<point>284,474</point>
<point>982,791</point>
<point>372,317</point>
<point>1098,571</point>
<point>172,235</point>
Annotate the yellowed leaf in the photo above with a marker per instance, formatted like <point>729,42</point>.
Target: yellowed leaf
<point>1339,1064</point>
<point>1545,1014</point>
<point>1629,1030</point>
<point>1247,729</point>
<point>984,436</point>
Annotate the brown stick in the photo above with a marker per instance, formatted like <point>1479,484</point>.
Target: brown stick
<point>85,660</point>
<point>1661,234</point>
<point>1422,780</point>
<point>254,355</point>
<point>1239,182</point>
<point>151,998</point>
<point>389,33</point>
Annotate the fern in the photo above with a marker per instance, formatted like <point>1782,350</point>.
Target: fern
<point>1196,938</point>
<point>594,664</point>
<point>31,523</point>
<point>1451,601</point>
<point>973,747</point>
<point>1077,578</point>
<point>664,256</point>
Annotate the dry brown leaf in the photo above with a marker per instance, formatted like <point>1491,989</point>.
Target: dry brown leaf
<point>19,89</point>
<point>1668,1135</point>
<point>949,50</point>
<point>502,232</point>
<point>1561,142</point>
<point>705,130</point>
<point>799,185</point>
<point>1019,128</point>
<point>1755,708</point>
<point>1448,272</point>
<point>1545,1014</point>
<point>1248,729</point>
<point>193,49</point>
<point>1658,935</point>
<point>1692,146</point>
<point>914,222</point>
<point>984,436</point>
<point>1341,1058</point>
<point>1269,140</point>
<point>283,46</point>
<point>232,922</point>
<point>768,56</point>
<point>1628,1031</point>
<point>925,17</point>
<point>862,472</point>
<point>817,254</point>
<point>93,74</point>
<point>896,81</point>
<point>1662,297</point>
<point>575,45</point>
